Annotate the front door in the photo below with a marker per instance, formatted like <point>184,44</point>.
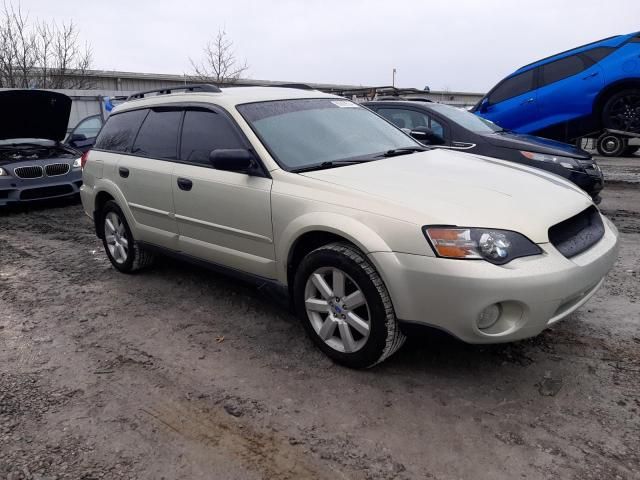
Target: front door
<point>568,89</point>
<point>223,217</point>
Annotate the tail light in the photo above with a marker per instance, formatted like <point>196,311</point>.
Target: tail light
<point>84,158</point>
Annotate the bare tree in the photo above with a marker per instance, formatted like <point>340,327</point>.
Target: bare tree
<point>220,64</point>
<point>41,55</point>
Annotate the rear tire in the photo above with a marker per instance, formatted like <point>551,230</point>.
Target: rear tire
<point>345,306</point>
<point>610,145</point>
<point>125,254</point>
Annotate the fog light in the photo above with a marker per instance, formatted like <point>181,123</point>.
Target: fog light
<point>489,316</point>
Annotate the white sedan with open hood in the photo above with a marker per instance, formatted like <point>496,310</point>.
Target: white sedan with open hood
<point>361,225</point>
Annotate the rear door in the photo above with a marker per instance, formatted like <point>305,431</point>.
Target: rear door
<point>145,175</point>
<point>223,217</point>
<point>512,104</point>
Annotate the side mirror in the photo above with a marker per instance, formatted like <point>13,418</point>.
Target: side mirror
<point>484,105</point>
<point>427,136</point>
<point>231,160</point>
<point>77,137</point>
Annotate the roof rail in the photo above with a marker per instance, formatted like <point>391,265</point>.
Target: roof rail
<point>405,99</point>
<point>387,91</point>
<point>299,86</point>
<point>200,87</point>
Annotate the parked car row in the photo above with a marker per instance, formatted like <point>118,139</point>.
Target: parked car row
<point>365,228</point>
<point>454,128</point>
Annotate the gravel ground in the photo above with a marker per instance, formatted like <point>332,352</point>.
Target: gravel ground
<point>179,373</point>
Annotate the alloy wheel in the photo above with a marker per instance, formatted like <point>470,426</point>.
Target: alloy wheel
<point>337,309</point>
<point>624,113</point>
<point>115,236</point>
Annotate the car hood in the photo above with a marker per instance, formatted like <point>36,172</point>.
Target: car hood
<point>441,187</point>
<point>34,114</point>
<point>531,143</point>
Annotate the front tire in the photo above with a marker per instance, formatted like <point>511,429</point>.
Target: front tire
<point>125,254</point>
<point>622,111</point>
<point>345,306</point>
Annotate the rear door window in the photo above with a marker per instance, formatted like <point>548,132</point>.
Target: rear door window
<point>561,69</point>
<point>204,131</point>
<point>158,136</point>
<point>118,133</point>
<point>514,86</point>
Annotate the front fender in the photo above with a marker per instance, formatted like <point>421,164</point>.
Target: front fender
<point>362,236</point>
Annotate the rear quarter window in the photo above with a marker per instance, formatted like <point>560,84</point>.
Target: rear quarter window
<point>119,132</point>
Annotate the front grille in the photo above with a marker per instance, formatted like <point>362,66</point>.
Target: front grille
<point>28,172</point>
<point>578,233</point>
<point>44,192</point>
<point>56,169</point>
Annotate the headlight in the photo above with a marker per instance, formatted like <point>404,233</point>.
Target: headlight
<point>3,172</point>
<point>566,162</point>
<point>495,246</point>
<point>77,163</point>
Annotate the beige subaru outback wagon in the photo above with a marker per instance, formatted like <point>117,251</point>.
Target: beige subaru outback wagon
<point>363,227</point>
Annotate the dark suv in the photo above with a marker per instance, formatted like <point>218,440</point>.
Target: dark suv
<point>454,128</point>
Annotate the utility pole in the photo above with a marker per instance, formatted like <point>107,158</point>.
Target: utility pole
<point>393,79</point>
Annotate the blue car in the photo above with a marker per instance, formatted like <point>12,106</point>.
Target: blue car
<point>34,163</point>
<point>573,94</point>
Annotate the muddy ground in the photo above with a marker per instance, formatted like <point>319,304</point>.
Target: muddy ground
<point>179,373</point>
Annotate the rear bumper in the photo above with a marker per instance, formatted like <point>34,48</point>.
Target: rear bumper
<point>14,191</point>
<point>533,292</point>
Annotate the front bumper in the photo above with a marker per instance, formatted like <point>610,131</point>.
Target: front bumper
<point>591,181</point>
<point>533,292</point>
<point>15,190</point>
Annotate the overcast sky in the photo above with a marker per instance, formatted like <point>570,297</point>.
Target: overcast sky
<point>465,45</point>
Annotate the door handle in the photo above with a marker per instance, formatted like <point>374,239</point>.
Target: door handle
<point>184,184</point>
<point>528,100</point>
<point>124,172</point>
<point>594,74</point>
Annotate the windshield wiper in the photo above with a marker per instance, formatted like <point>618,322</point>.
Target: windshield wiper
<point>331,164</point>
<point>403,151</point>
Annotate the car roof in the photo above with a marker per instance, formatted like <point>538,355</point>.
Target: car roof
<point>614,42</point>
<point>226,97</point>
<point>413,103</point>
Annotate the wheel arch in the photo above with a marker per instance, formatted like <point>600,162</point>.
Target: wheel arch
<point>103,192</point>
<point>311,231</point>
<point>609,90</point>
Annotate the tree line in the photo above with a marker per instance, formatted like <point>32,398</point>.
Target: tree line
<point>41,54</point>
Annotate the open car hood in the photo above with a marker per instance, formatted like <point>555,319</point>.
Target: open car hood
<point>34,114</point>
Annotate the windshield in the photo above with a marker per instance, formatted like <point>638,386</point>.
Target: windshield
<point>28,141</point>
<point>465,119</point>
<point>306,132</point>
